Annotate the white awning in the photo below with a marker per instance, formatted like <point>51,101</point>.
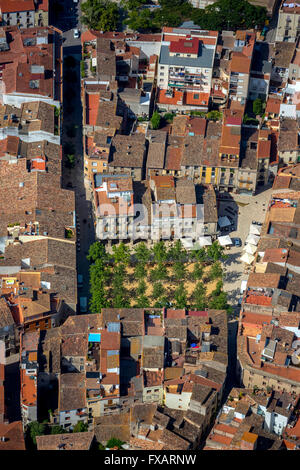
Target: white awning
<point>247,258</point>
<point>243,286</point>
<point>253,239</point>
<point>255,229</point>
<point>251,249</point>
<point>205,241</point>
<point>224,222</point>
<point>225,240</point>
<point>187,242</point>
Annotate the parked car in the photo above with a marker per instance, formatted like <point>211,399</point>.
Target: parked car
<point>80,280</point>
<point>236,241</point>
<point>76,33</point>
<point>83,304</point>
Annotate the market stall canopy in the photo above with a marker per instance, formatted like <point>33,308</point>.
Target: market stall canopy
<point>251,249</point>
<point>225,240</point>
<point>247,258</point>
<point>224,222</point>
<point>253,239</point>
<point>187,243</point>
<point>205,241</point>
<point>243,286</point>
<point>255,229</point>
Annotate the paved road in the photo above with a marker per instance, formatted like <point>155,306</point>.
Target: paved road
<point>68,18</point>
<point>253,208</point>
<point>270,36</point>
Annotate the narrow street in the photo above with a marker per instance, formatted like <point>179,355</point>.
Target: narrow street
<point>68,18</point>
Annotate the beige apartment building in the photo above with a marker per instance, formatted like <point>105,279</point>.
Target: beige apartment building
<point>288,26</point>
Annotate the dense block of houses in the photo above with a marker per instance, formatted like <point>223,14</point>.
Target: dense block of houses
<point>159,362</point>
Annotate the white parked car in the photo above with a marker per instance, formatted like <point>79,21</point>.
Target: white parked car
<point>76,33</point>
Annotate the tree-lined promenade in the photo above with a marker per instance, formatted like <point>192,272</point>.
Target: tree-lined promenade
<point>144,17</point>
<point>157,277</point>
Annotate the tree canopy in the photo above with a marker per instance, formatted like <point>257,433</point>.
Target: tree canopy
<point>100,15</point>
<point>155,120</point>
<point>230,15</point>
<point>221,15</point>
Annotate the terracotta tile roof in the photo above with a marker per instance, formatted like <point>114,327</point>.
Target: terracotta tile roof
<point>220,439</point>
<point>295,431</point>
<point>6,318</point>
<point>240,63</point>
<point>226,428</point>
<point>186,46</point>
<point>173,158</point>
<point>273,105</point>
<point>264,149</point>
<point>196,98</point>
<point>165,99</point>
<point>13,6</point>
<point>255,318</point>
<point>249,437</point>
<point>13,432</point>
<point>284,372</point>
<point>230,141</point>
<point>70,441</point>
<point>72,391</point>
<point>289,445</point>
<point>92,105</point>
<point>172,313</point>
<point>258,299</point>
<point>153,378</point>
<point>275,255</point>
<point>110,340</point>
<point>263,280</point>
<point>28,390</point>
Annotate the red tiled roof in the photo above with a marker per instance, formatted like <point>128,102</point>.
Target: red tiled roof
<point>185,46</point>
<point>280,371</point>
<point>28,389</point>
<point>110,340</point>
<point>225,428</point>
<point>273,105</point>
<point>255,318</point>
<point>92,105</point>
<point>196,98</point>
<point>275,255</point>
<point>163,99</point>
<point>264,149</point>
<point>289,445</point>
<point>221,439</point>
<point>197,313</point>
<point>258,299</point>
<point>240,63</point>
<point>170,313</point>
<point>295,431</point>
<point>13,6</point>
<point>13,432</point>
<point>173,158</point>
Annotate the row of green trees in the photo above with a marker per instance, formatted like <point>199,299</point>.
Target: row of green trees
<point>105,15</point>
<point>158,120</point>
<point>108,275</point>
